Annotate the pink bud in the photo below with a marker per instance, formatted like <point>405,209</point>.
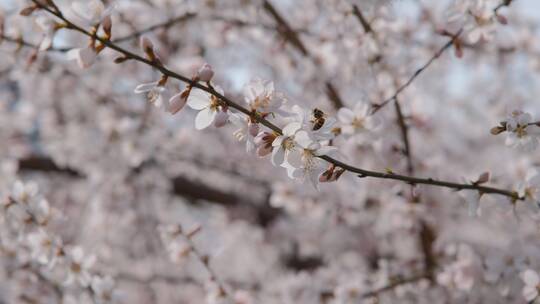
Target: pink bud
<point>221,119</point>
<point>253,129</point>
<point>205,73</point>
<point>483,178</point>
<point>107,25</point>
<point>502,19</point>
<point>177,102</point>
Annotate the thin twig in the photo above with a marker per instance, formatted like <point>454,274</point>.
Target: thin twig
<point>258,118</point>
<point>393,285</point>
<point>419,71</point>
<point>404,136</point>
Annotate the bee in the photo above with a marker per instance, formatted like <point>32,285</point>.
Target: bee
<point>318,120</point>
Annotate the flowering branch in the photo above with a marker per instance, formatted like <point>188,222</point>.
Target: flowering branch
<point>256,117</point>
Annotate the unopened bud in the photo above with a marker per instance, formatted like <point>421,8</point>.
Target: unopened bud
<point>106,24</point>
<point>458,48</point>
<point>147,47</point>
<point>205,73</point>
<point>483,178</point>
<point>178,101</point>
<point>27,11</point>
<point>502,19</point>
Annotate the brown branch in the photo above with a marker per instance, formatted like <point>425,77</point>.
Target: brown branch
<point>394,284</point>
<point>258,118</point>
<point>285,29</point>
<point>405,137</point>
<point>363,21</point>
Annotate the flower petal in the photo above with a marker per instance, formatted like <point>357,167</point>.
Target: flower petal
<point>198,100</point>
<point>204,118</point>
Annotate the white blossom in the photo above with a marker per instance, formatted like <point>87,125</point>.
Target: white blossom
<point>303,162</point>
<point>357,120</point>
<point>154,92</point>
<point>208,106</point>
<point>522,133</point>
<point>260,96</point>
<point>79,265</point>
<point>532,285</point>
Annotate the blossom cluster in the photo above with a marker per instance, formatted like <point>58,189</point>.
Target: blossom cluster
<point>25,217</point>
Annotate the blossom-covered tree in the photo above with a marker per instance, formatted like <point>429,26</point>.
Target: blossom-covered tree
<point>269,151</point>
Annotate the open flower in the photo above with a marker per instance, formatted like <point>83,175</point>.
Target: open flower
<point>532,285</point>
<point>208,106</point>
<point>247,131</point>
<point>261,97</point>
<point>154,92</point>
<point>78,267</point>
<point>521,133</point>
<point>357,120</point>
<point>530,190</point>
<point>284,144</point>
<point>103,289</point>
<point>24,193</point>
<point>303,162</point>
<point>44,247</point>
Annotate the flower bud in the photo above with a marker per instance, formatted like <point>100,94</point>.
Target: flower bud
<point>106,24</point>
<point>205,73</point>
<point>27,11</point>
<point>177,102</point>
<point>221,119</point>
<point>147,47</point>
<point>502,19</point>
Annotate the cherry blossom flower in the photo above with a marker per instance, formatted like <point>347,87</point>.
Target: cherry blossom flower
<point>208,106</point>
<point>532,285</point>
<point>79,265</point>
<point>521,133</point>
<point>303,162</point>
<point>247,131</point>
<point>530,190</point>
<point>103,289</point>
<point>261,97</point>
<point>315,122</point>
<point>44,247</point>
<point>359,119</point>
<point>24,193</point>
<point>284,144</point>
<point>154,92</point>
